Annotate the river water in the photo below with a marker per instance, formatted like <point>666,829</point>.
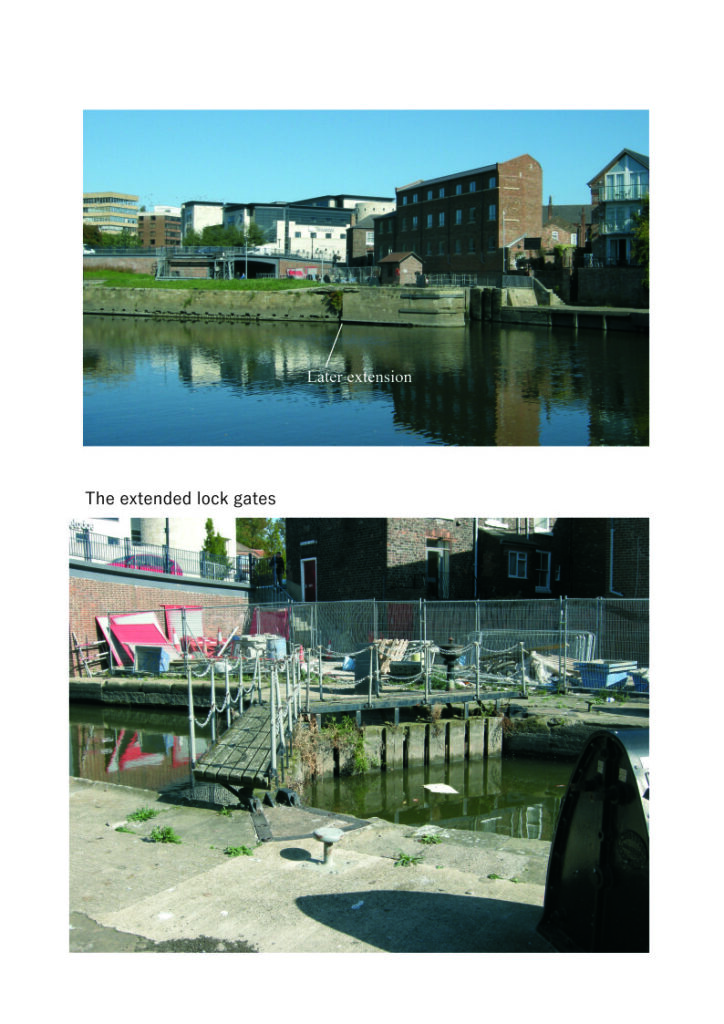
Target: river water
<point>149,749</point>
<point>168,383</point>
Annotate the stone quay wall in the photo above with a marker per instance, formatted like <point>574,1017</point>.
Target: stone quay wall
<point>418,307</point>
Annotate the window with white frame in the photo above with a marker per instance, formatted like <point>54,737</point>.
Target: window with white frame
<point>542,572</point>
<point>518,565</point>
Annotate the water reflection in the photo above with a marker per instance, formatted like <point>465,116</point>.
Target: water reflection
<point>517,798</point>
<point>150,382</point>
<point>128,747</point>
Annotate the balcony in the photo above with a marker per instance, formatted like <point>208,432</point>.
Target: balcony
<point>621,193</point>
<point>617,226</point>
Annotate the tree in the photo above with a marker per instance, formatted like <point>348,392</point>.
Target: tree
<point>215,546</point>
<point>267,535</point>
<point>92,235</point>
<point>640,249</point>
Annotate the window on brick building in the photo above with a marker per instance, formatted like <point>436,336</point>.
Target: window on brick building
<point>458,216</point>
<point>441,218</point>
<point>542,572</point>
<point>518,565</point>
<point>429,220</point>
<point>492,211</point>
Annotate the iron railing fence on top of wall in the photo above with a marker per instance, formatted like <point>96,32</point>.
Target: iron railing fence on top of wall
<point>122,552</point>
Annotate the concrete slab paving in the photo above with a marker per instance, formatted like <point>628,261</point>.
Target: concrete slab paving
<point>467,893</point>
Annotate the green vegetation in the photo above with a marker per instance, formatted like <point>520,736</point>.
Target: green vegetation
<point>348,739</point>
<point>225,812</point>
<point>239,851</point>
<point>143,814</point>
<point>163,834</point>
<point>406,860</point>
<point>112,278</point>
<point>124,828</point>
<point>641,238</point>
<point>215,547</point>
<point>429,840</point>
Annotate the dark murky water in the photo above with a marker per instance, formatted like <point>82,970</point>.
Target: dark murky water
<point>167,383</point>
<point>150,750</point>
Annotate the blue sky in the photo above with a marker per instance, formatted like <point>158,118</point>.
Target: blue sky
<point>171,156</point>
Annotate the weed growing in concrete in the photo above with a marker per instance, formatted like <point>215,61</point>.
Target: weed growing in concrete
<point>239,851</point>
<point>164,834</point>
<point>225,812</point>
<point>124,828</point>
<point>429,840</point>
<point>406,860</point>
<point>142,814</point>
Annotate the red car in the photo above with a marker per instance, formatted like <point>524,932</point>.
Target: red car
<point>148,563</point>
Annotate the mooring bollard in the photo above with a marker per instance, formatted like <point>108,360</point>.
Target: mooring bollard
<point>328,836</point>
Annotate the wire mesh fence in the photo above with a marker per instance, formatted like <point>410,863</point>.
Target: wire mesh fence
<point>349,645</point>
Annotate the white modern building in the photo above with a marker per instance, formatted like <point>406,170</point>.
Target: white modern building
<point>199,214</point>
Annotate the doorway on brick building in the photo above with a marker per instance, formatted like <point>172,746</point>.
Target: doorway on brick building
<point>309,579</point>
<point>438,568</point>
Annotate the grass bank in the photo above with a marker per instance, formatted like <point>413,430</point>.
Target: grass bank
<point>112,278</point>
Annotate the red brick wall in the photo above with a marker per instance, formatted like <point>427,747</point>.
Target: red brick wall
<point>91,597</point>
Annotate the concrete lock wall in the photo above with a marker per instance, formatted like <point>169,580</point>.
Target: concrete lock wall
<point>394,305</point>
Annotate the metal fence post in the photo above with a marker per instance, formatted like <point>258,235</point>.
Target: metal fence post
<point>192,732</point>
<point>369,681</point>
<point>565,642</point>
<point>522,668</point>
<point>273,727</point>
<point>477,670</point>
<point>227,694</point>
<point>321,685</point>
<point>213,705</point>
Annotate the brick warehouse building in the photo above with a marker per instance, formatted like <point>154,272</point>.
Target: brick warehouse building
<point>472,222</point>
<point>388,559</point>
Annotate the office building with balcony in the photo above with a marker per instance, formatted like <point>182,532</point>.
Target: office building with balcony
<point>617,194</point>
<point>111,212</point>
<point>472,222</point>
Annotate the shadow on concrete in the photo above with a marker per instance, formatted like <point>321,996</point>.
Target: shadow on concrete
<point>420,922</point>
<point>292,853</point>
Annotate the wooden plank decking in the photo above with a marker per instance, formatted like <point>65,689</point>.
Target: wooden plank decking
<point>242,755</point>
